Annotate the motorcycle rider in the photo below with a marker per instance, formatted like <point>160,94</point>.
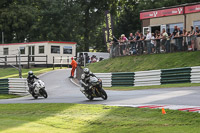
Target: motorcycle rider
<point>30,80</point>
<point>86,77</point>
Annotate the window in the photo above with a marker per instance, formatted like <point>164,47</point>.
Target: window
<point>55,49</point>
<point>41,49</point>
<point>67,50</point>
<point>5,51</point>
<point>171,26</point>
<point>22,50</point>
<point>196,23</point>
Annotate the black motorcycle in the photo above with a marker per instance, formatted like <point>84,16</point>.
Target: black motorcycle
<point>95,89</point>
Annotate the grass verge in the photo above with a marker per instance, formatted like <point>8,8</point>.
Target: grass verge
<point>121,88</point>
<point>7,96</point>
<point>147,62</point>
<point>59,118</point>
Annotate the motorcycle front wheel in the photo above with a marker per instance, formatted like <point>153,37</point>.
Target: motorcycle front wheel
<point>44,93</point>
<point>103,94</point>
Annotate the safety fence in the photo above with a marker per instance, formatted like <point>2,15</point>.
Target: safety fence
<point>152,46</point>
<point>153,77</point>
<point>13,86</point>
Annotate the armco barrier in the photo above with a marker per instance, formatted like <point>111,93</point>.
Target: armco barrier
<point>17,85</point>
<point>123,79</point>
<point>13,86</point>
<point>3,86</point>
<point>147,78</point>
<point>195,74</point>
<point>177,75</point>
<point>153,77</point>
<point>106,78</point>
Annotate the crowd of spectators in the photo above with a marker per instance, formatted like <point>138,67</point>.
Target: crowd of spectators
<point>158,42</point>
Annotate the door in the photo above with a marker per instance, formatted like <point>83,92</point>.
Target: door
<point>31,52</point>
<point>163,27</point>
<point>145,30</point>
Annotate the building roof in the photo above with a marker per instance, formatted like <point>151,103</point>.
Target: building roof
<point>182,5</point>
<point>40,43</point>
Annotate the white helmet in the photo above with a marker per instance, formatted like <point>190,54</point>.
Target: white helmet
<point>30,73</point>
<point>86,71</point>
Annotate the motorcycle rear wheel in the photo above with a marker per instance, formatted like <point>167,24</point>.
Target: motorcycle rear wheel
<point>103,95</point>
<point>35,96</point>
<point>90,97</point>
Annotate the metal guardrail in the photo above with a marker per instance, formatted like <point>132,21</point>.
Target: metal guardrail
<point>13,86</point>
<point>153,77</point>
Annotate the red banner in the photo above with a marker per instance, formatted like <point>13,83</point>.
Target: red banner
<point>162,13</point>
<point>191,9</point>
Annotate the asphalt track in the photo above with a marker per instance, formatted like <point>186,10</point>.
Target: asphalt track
<point>61,90</point>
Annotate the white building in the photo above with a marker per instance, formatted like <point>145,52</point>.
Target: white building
<point>38,53</point>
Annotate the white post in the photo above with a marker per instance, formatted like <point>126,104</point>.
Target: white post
<point>20,68</point>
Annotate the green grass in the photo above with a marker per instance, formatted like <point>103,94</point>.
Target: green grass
<point>13,73</point>
<point>121,88</point>
<point>147,62</point>
<point>67,118</point>
<point>7,96</point>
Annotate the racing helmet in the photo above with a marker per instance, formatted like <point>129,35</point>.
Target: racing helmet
<point>30,73</point>
<point>86,71</point>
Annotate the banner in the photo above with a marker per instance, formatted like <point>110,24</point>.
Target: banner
<point>109,26</point>
<point>191,9</point>
<point>162,13</point>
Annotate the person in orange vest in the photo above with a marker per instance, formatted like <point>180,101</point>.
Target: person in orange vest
<point>74,65</point>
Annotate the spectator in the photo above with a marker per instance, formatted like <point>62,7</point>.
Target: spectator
<point>175,34</point>
<point>153,44</point>
<point>125,47</point>
<point>168,41</point>
<point>131,41</point>
<point>189,40</point>
<point>148,41</point>
<point>164,38</point>
<point>180,39</point>
<point>185,45</point>
<point>192,35</point>
<point>141,45</point>
<point>197,32</point>
<point>157,38</point>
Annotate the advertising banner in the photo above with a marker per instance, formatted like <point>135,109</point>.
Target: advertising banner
<point>192,9</point>
<point>161,13</point>
<point>109,26</point>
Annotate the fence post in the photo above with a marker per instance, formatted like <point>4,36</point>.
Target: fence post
<point>47,61</point>
<point>68,61</point>
<point>53,62</point>
<point>28,61</point>
<point>5,61</point>
<point>16,60</point>
<point>61,62</point>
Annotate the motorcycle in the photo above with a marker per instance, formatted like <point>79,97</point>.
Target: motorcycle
<point>95,89</point>
<point>38,89</point>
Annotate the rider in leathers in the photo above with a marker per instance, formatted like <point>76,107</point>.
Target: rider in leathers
<point>86,77</point>
<point>30,80</point>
